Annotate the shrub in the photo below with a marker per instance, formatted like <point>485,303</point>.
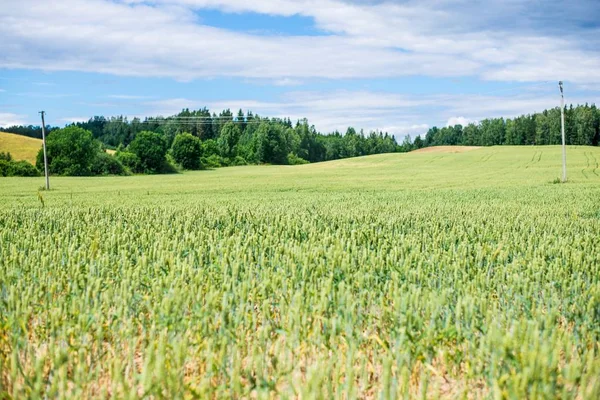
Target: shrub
<point>105,164</point>
<point>129,160</point>
<point>239,160</point>
<point>5,156</point>
<point>186,151</point>
<point>210,147</point>
<point>4,167</point>
<point>214,161</point>
<point>293,159</point>
<point>17,168</point>
<point>170,166</point>
<point>151,150</point>
<point>71,151</point>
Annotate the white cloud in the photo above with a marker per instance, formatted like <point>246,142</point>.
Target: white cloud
<point>459,121</point>
<point>400,131</point>
<point>287,82</point>
<point>9,119</point>
<point>74,119</point>
<point>164,38</point>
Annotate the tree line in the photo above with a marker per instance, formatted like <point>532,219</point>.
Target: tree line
<point>245,138</point>
<point>582,127</point>
<point>228,139</point>
<point>201,139</point>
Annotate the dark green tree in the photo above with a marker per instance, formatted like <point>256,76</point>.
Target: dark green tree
<point>187,150</point>
<point>151,149</point>
<point>418,143</point>
<point>228,140</point>
<point>471,135</point>
<point>71,151</point>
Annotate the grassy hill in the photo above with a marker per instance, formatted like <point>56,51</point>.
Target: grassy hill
<point>486,167</point>
<point>420,275</point>
<point>20,147</point>
<point>23,147</point>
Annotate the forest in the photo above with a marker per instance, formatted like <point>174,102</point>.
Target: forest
<point>581,128</point>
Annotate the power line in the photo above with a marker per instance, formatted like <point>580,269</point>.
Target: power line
<point>206,120</point>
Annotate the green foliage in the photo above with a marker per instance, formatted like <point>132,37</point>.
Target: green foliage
<point>214,161</point>
<point>187,150</point>
<point>151,149</point>
<point>71,151</point>
<point>238,161</point>
<point>105,164</point>
<point>228,140</point>
<point>9,167</point>
<point>209,148</point>
<point>582,128</point>
<point>170,166</point>
<point>293,159</point>
<point>272,143</point>
<point>129,160</point>
<point>5,156</point>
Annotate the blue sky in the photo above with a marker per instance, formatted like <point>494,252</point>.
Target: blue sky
<point>399,66</point>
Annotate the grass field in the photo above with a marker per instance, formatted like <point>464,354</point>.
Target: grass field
<point>420,275</point>
<point>20,147</point>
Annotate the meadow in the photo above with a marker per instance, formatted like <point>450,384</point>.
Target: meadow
<point>419,275</point>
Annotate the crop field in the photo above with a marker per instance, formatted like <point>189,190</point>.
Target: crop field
<point>420,275</point>
<point>20,147</point>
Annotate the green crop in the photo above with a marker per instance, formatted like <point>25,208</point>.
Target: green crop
<point>418,275</point>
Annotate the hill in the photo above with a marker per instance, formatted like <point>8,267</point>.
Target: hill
<point>485,167</point>
<point>446,149</point>
<point>20,147</point>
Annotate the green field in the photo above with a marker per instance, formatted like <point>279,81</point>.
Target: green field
<point>420,275</point>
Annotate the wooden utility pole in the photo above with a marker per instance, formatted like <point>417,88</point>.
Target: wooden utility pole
<point>44,146</point>
<point>562,129</point>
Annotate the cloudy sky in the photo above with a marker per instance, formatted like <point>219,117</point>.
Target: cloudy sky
<point>399,66</point>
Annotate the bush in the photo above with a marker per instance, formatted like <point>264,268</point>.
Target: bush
<point>17,168</point>
<point>214,161</point>
<point>170,166</point>
<point>210,147</point>
<point>293,159</point>
<point>186,151</point>
<point>105,164</point>
<point>71,151</point>
<point>151,149</point>
<point>129,160</point>
<point>239,160</point>
<point>5,156</point>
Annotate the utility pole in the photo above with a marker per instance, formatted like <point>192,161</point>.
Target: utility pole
<point>562,128</point>
<point>45,155</point>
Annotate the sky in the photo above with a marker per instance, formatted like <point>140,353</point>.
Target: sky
<point>396,66</point>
